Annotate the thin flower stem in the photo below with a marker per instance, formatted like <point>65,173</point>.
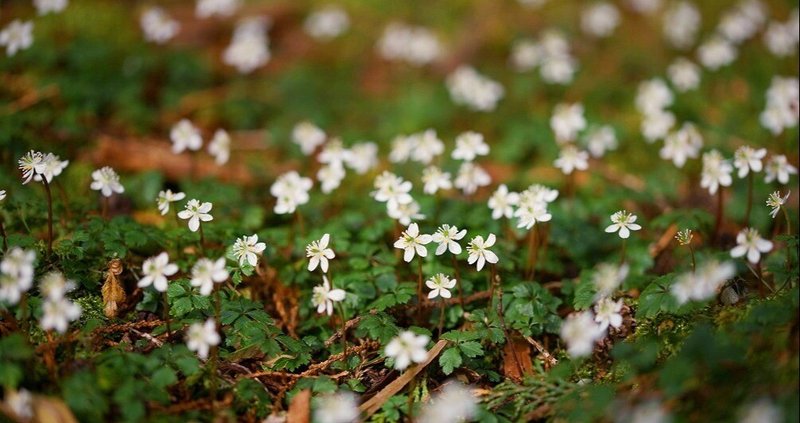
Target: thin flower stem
<point>4,235</point>
<point>441,317</point>
<point>694,264</point>
<point>166,312</point>
<point>788,232</point>
<point>344,335</point>
<point>749,199</point>
<point>533,250</point>
<point>104,208</point>
<point>202,241</point>
<point>501,317</point>
<point>49,217</point>
<point>214,362</point>
<point>419,280</point>
<point>458,281</point>
<point>720,213</point>
<point>624,251</point>
<point>24,318</point>
<point>300,223</point>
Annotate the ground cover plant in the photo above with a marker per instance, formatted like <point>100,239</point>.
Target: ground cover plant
<point>338,211</point>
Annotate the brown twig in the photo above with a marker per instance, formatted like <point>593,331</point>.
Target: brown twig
<point>548,358</point>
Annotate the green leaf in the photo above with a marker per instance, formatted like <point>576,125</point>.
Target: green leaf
<point>450,360</point>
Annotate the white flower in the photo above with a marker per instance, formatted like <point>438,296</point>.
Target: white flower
<point>470,177</point>
<point>57,313</point>
<point>291,190</point>
<point>434,180</point>
<point>427,147</point>
<point>653,96</point>
<point>12,287</point>
<point>600,19</point>
<point>747,159</point>
<point>44,7</point>
<point>323,296</point>
<point>156,270</point>
<point>684,74</point>
<point>165,198</point>
<point>106,181</point>
<point>206,272</point>
<point>440,286</point>
<point>567,120</point>
<point>411,242</point>
<point>780,38</point>
<point>220,146</point>
<point>704,283</point>
<point>2,194</point>
<point>624,222</point>
<point>716,172</point>
<point>196,212</point>
<point>538,194</point>
<point>158,26</point>
<point>330,177</point>
<point>53,166</point>
<point>249,47</point>
<point>319,254</point>
<point>599,140</point>
<point>31,164</point>
<point>607,278</point>
<point>404,213</point>
<point>648,412</point>
<point>776,202</point>
<point>530,212</point>
<point>402,148</point>
<point>783,104</point>
<point>580,332</point>
<point>526,55</point>
<point>334,153</point>
<point>185,135</point>
<point>477,92</point>
<point>201,337</point>
<point>208,8</point>
<point>54,285</point>
<point>681,23</point>
<point>716,53</point>
<point>413,44</point>
<point>247,249</point>
<point>749,242</point>
<point>607,312</point>
<point>406,348</point>
<point>558,69</point>
<point>761,411</point>
<point>16,36</point>
<point>327,23</point>
<point>469,145</point>
<point>20,402</point>
<point>455,403</point>
<point>779,168</point>
<point>502,202</point>
<point>479,252</point>
<point>682,144</point>
<point>341,407</point>
<point>18,263</point>
<point>447,237</point>
<point>571,159</point>
<point>308,136</point>
<point>363,157</point>
<point>645,7</point>
<point>656,126</point>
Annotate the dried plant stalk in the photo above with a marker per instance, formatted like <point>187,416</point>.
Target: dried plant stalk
<point>113,292</point>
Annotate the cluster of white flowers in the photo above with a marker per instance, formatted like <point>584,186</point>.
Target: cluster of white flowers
<point>208,8</point>
<point>395,192</point>
<point>550,53</point>
<point>249,47</point>
<point>704,283</point>
<point>477,92</point>
<point>290,191</point>
<point>681,23</point>
<point>781,38</point>
<point>327,23</point>
<point>783,105</point>
<point>742,21</point>
<point>57,310</point>
<point>158,26</point>
<point>16,36</point>
<point>186,136</point>
<point>600,19</point>
<point>567,122</point>
<point>412,44</point>
<point>652,99</point>
<point>16,274</point>
<point>40,167</point>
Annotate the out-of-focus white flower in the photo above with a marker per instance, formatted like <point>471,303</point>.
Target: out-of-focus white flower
<point>185,136</point>
<point>477,92</point>
<point>249,47</point>
<point>44,7</point>
<point>195,212</point>
<point>247,249</point>
<point>716,172</point>
<point>291,190</point>
<point>645,7</point>
<point>681,23</point>
<point>407,348</point>
<point>447,237</point>
<point>54,285</point>
<point>440,286</point>
<point>656,126</point>
<point>607,313</point>
<point>469,145</point>
<point>158,26</point>
<point>308,136</point>
<point>341,407</point>
<point>52,166</point>
<point>455,403</point>
<point>653,96</point>
<point>471,177</point>
<point>742,21</point>
<point>624,222</point>
<point>330,177</point>
<point>106,181</point>
<point>607,278</point>
<point>580,332</point>
<point>502,202</point>
<point>427,147</point>
<point>783,105</point>
<point>16,36</point>
<point>413,44</point>
<point>404,213</point>
<point>57,313</point>
<point>327,23</point>
<point>16,274</point>
<point>207,272</point>
<point>220,147</point>
<point>684,74</point>
<point>334,153</point>
<point>166,197</point>
<point>319,254</point>
<point>526,55</point>
<point>779,168</point>
<point>208,8</point>
<point>363,157</point>
<point>747,159</point>
<point>571,158</point>
<point>716,53</point>
<point>600,19</point>
<point>201,337</point>
<point>412,242</point>
<point>601,139</point>
<point>682,144</point>
<point>529,213</point>
<point>20,402</point>
<point>703,283</point>
<point>434,180</point>
<point>750,243</point>
<point>323,296</point>
<point>781,38</point>
<point>392,189</point>
<point>761,411</point>
<point>156,270</point>
<point>402,148</point>
<point>567,120</point>
<point>775,201</point>
<point>479,251</point>
<point>648,412</point>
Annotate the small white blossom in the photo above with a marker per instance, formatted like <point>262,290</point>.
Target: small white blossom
<point>16,36</point>
<point>415,45</point>
<point>158,26</point>
<point>247,249</point>
<point>167,197</point>
<point>330,177</point>
<point>106,181</point>
<point>571,159</point>
<point>291,190</point>
<point>477,92</point>
<point>455,403</point>
<point>608,277</point>
<point>681,24</point>
<point>20,403</point>
<point>412,242</point>
<point>156,270</point>
<point>208,8</point>
<point>402,148</point>
<point>440,286</point>
<point>471,177</point>
<point>624,222</point>
<point>780,38</point>
<point>57,313</point>
<point>319,254</point>
<point>761,411</point>
<point>427,147</point>
<point>502,202</point>
<point>404,213</point>
<point>31,164</point>
<point>249,47</point>
<point>750,243</point>
<point>778,168</point>
<point>392,189</point>
<point>407,348</point>
<point>600,19</point>
<point>580,332</point>
<point>684,74</point>
<point>469,145</point>
<point>434,180</point>
<point>653,96</point>
<point>479,251</point>
<point>776,202</point>
<point>185,136</point>
<point>323,296</point>
<point>783,104</point>
<point>748,159</point>
<point>607,313</point>
<point>196,212</point>
<point>447,237</point>
<point>703,283</point>
<point>363,157</point>
<point>716,172</point>
<point>601,139</point>
<point>53,166</point>
<point>341,407</point>
<point>200,337</point>
<point>327,23</point>
<point>334,153</point>
<point>530,212</point>
<point>44,7</point>
<point>567,120</point>
<point>656,126</point>
<point>220,147</point>
<point>716,53</point>
<point>207,272</point>
<point>54,285</point>
<point>526,55</point>
<point>683,144</point>
<point>308,136</point>
<point>645,7</point>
